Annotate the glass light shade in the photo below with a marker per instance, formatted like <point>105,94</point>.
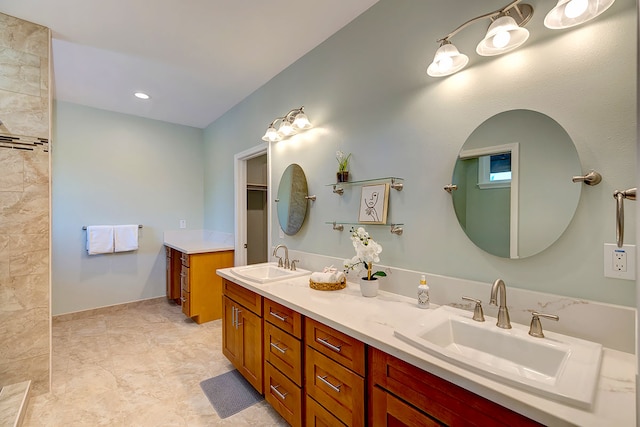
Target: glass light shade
<point>301,121</point>
<point>569,13</point>
<point>271,135</point>
<point>447,60</point>
<point>285,128</point>
<point>503,35</point>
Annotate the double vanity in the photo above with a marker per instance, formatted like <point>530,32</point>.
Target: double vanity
<point>337,357</point>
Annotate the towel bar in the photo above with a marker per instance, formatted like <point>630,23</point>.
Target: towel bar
<point>84,227</point>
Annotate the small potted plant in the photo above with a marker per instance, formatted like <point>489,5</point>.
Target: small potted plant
<point>343,166</point>
<point>367,251</point>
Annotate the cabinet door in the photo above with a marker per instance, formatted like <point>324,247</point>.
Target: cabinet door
<point>185,291</point>
<point>250,329</point>
<point>231,342</point>
<point>168,274</point>
<point>174,268</point>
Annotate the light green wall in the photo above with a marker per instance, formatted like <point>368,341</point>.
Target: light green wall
<point>110,168</point>
<point>366,91</point>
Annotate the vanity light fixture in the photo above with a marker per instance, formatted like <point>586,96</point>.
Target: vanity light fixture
<point>506,31</point>
<point>290,124</point>
<point>569,13</point>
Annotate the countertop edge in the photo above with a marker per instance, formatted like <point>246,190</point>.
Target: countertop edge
<point>194,249</point>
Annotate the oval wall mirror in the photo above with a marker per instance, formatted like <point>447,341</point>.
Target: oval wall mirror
<point>515,196</point>
<point>292,202</point>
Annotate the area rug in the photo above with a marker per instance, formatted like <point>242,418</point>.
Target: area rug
<point>230,393</point>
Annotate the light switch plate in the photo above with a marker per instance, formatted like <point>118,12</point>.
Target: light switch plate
<point>620,263</point>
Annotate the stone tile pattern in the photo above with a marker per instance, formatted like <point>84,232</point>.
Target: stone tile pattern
<point>25,319</point>
<point>24,77</point>
<point>136,364</point>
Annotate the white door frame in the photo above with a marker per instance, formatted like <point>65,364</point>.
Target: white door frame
<point>240,198</point>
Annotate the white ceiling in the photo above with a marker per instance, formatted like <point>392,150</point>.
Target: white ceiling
<point>196,58</point>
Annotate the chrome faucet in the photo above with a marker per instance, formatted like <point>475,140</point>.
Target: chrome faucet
<point>503,311</point>
<point>286,256</point>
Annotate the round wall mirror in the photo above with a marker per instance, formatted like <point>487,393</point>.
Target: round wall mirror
<point>515,196</point>
<point>292,202</point>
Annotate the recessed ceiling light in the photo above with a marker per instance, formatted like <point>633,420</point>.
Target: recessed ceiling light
<point>141,95</point>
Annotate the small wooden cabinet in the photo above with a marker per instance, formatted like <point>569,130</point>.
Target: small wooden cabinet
<point>283,358</point>
<point>242,332</point>
<point>334,373</point>
<point>404,395</point>
<point>192,278</point>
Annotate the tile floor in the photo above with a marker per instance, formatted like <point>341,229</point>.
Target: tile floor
<point>137,364</point>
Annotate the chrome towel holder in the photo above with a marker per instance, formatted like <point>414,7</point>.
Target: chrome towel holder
<point>620,196</point>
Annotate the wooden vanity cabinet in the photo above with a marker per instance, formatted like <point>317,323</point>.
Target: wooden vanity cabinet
<point>283,359</point>
<point>334,374</point>
<point>404,395</point>
<point>242,332</point>
<point>200,286</point>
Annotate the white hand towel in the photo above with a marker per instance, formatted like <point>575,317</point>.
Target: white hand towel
<point>99,239</point>
<point>126,237</point>
<point>327,277</point>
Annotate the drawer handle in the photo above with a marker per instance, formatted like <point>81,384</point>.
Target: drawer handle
<point>277,316</point>
<point>328,344</point>
<point>333,387</point>
<point>274,388</point>
<point>277,347</point>
<point>238,311</point>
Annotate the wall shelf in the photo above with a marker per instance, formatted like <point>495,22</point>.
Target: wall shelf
<point>396,228</point>
<point>394,182</point>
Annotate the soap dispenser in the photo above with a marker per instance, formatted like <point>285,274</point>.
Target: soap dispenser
<point>423,293</point>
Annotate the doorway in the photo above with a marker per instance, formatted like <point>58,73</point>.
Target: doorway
<point>257,218</point>
<point>252,208</point>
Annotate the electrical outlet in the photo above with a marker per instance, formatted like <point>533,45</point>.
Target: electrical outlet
<point>620,263</point>
<point>619,260</point>
<point>183,223</point>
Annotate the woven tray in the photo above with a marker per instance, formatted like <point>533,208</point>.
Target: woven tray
<point>328,286</point>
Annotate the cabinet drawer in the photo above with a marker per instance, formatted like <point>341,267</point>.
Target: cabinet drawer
<point>437,397</point>
<point>284,318</point>
<point>335,387</point>
<point>184,258</point>
<point>283,395</point>
<point>342,348</point>
<point>284,352</point>
<point>184,279</point>
<point>243,296</point>
<point>317,416</point>
<point>185,299</point>
<point>388,410</point>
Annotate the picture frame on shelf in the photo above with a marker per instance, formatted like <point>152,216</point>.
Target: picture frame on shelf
<point>374,203</point>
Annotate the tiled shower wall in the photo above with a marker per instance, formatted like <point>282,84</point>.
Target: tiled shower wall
<point>25,319</point>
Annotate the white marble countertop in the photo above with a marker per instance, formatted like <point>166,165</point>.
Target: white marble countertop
<point>198,241</point>
<point>373,320</point>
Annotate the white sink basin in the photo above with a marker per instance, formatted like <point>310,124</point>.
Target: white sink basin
<point>557,366</point>
<point>267,272</point>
